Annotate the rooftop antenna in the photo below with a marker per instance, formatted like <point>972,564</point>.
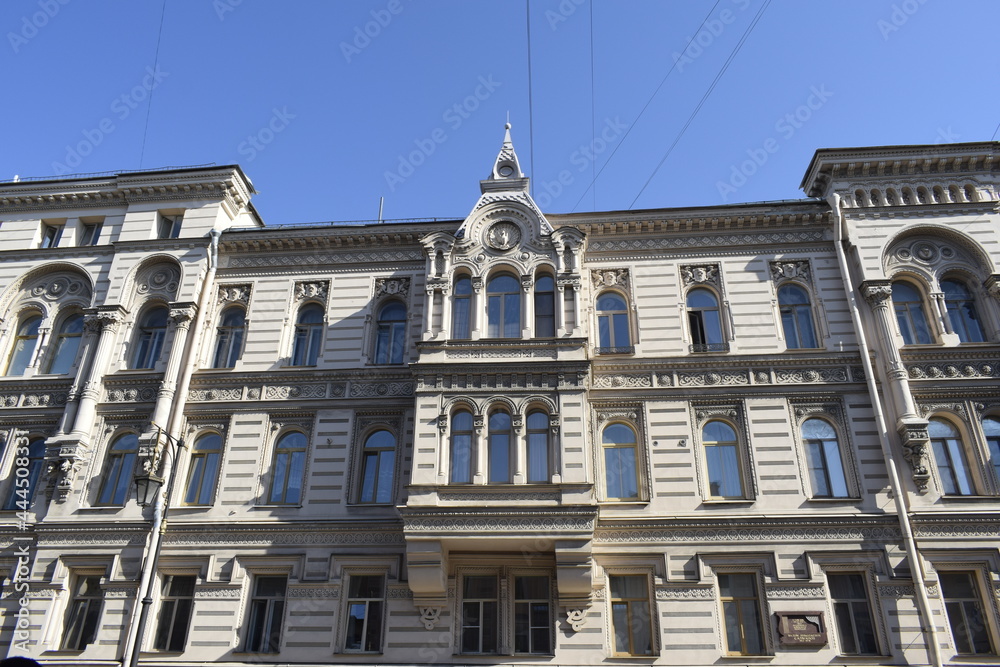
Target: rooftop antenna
<point>17,178</point>
<point>380,200</point>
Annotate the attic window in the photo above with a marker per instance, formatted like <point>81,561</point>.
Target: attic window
<point>506,170</point>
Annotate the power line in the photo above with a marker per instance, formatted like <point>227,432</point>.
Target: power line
<point>995,132</point>
<point>715,81</point>
<point>149,104</point>
<point>593,110</point>
<point>629,130</point>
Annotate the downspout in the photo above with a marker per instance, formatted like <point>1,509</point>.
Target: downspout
<point>900,499</point>
<point>137,622</point>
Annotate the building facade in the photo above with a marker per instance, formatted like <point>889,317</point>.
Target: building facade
<point>757,433</point>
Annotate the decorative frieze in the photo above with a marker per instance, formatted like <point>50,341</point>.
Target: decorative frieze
<point>710,378</point>
<point>958,370</point>
<point>623,380</point>
<point>685,592</point>
<point>802,591</point>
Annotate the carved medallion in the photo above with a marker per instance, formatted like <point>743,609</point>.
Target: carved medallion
<point>503,235</point>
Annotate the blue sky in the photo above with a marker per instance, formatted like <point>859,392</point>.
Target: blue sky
<point>329,105</point>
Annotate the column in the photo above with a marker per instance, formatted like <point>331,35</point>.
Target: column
<point>91,333</point>
<point>429,314</point>
<point>520,445</point>
<point>527,307</point>
<point>445,332</point>
<point>181,315</point>
<point>478,305</point>
<point>481,449</point>
<point>878,293</point>
<point>107,320</point>
<point>560,309</point>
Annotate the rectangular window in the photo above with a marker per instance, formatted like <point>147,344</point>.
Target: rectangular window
<point>364,613</point>
<point>532,619</point>
<point>177,599</point>
<point>267,609</point>
<point>480,596</point>
<point>630,616</point>
<point>90,233</point>
<point>51,235</point>
<point>741,614</point>
<point>965,613</point>
<point>168,226</point>
<point>84,613</point>
<point>852,611</point>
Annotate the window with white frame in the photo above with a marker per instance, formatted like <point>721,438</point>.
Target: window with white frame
<point>288,469</point>
<point>25,341</point>
<point>229,337</point>
<point>460,463</point>
<point>796,317</point>
<point>149,336</point>
<point>503,307</point>
<point>538,454</point>
<point>90,233</point>
<point>499,447</point>
<point>962,312</point>
<point>308,335</point>
<point>390,336</point>
<point>621,461</point>
<point>908,303</point>
<point>378,465</point>
<point>51,234</point>
<point>168,226</point>
<point>705,321</point>
<point>365,613</point>
<point>117,478</point>
<point>203,469</point>
<point>532,614</point>
<point>480,613</point>
<point>826,461</point>
<point>461,308</point>
<point>951,459</point>
<point>723,460</point>
<point>613,328</point>
<point>545,306</point>
<point>64,346</point>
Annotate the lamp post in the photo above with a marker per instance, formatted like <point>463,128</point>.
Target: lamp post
<point>149,491</point>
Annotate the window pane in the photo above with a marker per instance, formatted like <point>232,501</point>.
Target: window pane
<point>460,318</point>
<point>622,338</point>
<point>512,315</point>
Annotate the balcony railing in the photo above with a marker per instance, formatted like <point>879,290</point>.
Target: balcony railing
<point>710,347</point>
<point>628,349</point>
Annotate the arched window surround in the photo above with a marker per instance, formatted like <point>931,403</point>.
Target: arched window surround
<point>733,418</point>
<point>120,459</point>
<point>204,469</point>
<point>615,330</point>
<point>307,337</point>
<point>622,462</point>
<point>833,490</point>
<point>26,342</point>
<point>230,336</point>
<point>390,345</point>
<point>964,316</point>
<point>150,339</point>
<point>289,468</point>
<point>956,464</point>
<point>504,304</point>
<point>706,322</point>
<point>62,352</point>
<point>378,465</point>
<point>798,319</point>
<point>911,310</point>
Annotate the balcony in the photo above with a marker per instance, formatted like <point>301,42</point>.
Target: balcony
<point>709,347</point>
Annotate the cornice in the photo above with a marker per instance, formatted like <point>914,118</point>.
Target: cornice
<point>224,183</point>
<point>768,216</point>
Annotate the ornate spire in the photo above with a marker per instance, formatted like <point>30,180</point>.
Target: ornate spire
<point>507,174</point>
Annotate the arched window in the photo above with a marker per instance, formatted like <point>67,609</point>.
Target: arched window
<point>24,345</point>
<point>503,307</point>
<point>229,339</point>
<point>204,469</point>
<point>377,467</point>
<point>612,324</point>
<point>826,465</point>
<point>949,454</point>
<point>461,447</point>
<point>991,429</point>
<point>461,310</point>
<point>149,341</point>
<point>796,317</point>
<point>538,447</point>
<point>704,321</point>
<point>621,462</point>
<point>118,470</point>
<point>910,314</point>
<point>499,447</point>
<point>390,342</point>
<point>289,469</point>
<point>24,478</point>
<point>308,335</point>
<point>722,458</point>
<point>545,307</point>
<point>65,345</point>
<point>962,312</point>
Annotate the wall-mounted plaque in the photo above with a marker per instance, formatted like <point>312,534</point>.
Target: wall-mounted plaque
<point>801,628</point>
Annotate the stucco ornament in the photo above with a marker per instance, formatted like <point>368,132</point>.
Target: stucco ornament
<point>503,235</point>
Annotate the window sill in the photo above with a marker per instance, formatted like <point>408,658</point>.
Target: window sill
<point>275,506</point>
<point>727,501</point>
<point>624,502</point>
<point>975,498</point>
<point>833,501</point>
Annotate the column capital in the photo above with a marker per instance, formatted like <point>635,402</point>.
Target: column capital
<point>992,286</point>
<point>876,292</point>
<point>103,318</point>
<point>182,312</point>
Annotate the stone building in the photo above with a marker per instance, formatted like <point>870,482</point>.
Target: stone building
<point>763,433</point>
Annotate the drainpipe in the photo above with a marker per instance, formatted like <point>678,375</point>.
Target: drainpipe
<point>137,622</point>
<point>900,498</point>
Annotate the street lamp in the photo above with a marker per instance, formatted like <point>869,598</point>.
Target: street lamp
<point>148,487</point>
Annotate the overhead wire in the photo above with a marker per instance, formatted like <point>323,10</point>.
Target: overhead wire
<point>149,103</point>
<point>593,110</point>
<point>593,183</point>
<point>701,103</point>
<point>531,122</point>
